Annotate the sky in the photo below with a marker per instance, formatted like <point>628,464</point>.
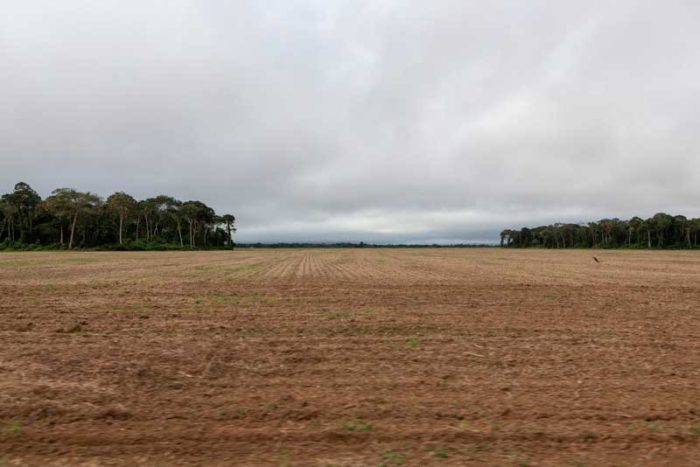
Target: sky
<point>348,120</point>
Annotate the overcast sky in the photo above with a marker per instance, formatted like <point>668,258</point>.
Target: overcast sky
<point>382,121</point>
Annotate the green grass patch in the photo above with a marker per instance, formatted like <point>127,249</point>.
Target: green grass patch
<point>353,314</point>
<point>235,272</point>
<point>25,263</point>
<point>15,426</point>
<point>356,425</point>
<point>135,307</point>
<point>388,329</point>
<point>17,263</point>
<point>233,413</point>
<point>239,299</point>
<point>695,429</point>
<point>81,260</point>
<point>393,458</point>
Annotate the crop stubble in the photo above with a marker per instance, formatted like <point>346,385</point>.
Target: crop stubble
<point>350,357</point>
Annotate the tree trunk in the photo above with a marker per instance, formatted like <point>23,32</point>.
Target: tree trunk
<point>179,233</point>
<point>121,227</point>
<point>138,226</point>
<point>230,241</point>
<point>2,230</point>
<point>648,238</point>
<point>61,233</point>
<point>72,230</point>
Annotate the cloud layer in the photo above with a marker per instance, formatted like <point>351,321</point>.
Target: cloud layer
<point>329,120</point>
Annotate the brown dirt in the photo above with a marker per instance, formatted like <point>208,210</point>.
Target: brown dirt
<point>350,357</point>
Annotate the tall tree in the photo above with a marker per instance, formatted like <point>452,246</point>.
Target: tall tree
<point>175,213</point>
<point>228,220</point>
<point>696,229</point>
<point>9,211</point>
<point>72,203</point>
<point>148,210</point>
<point>165,216</point>
<point>188,211</point>
<point>682,230</point>
<point>25,201</point>
<point>123,205</point>
<point>662,223</point>
<point>506,235</point>
<point>634,227</point>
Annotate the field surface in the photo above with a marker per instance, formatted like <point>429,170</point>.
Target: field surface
<point>350,357</point>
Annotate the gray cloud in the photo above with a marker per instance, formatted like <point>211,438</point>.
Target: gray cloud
<point>359,120</point>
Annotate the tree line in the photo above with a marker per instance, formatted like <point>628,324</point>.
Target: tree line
<point>69,218</point>
<point>659,231</point>
<point>360,245</point>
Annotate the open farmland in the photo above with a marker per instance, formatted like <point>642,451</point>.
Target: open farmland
<point>350,357</point>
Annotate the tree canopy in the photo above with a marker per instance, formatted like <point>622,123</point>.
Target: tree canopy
<point>70,218</point>
<point>659,231</point>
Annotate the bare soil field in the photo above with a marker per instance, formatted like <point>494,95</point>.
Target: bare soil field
<point>350,357</point>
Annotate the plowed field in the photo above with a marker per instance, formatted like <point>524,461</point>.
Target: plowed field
<point>350,357</point>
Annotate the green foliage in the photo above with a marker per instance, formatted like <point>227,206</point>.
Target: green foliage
<point>695,429</point>
<point>659,231</point>
<point>15,426</point>
<point>357,425</point>
<point>413,342</point>
<point>73,219</point>
<point>393,458</point>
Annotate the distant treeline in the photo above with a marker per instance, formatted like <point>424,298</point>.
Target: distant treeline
<point>660,231</point>
<point>70,218</point>
<point>357,245</point>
